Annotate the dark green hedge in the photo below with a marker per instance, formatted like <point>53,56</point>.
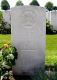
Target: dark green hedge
<point>49,28</point>
<point>4,29</point>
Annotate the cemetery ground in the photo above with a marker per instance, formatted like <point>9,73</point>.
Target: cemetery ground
<point>50,53</point>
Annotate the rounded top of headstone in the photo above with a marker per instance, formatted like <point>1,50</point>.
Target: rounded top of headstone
<point>28,6</point>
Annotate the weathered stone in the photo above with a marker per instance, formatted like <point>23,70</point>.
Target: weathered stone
<point>28,27</point>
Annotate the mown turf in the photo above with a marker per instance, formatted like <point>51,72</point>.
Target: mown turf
<point>51,47</point>
<point>51,50</point>
<point>5,39</point>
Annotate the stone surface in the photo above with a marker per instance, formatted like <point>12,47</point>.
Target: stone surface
<point>48,15</point>
<point>54,19</point>
<point>7,18</point>
<point>28,25</point>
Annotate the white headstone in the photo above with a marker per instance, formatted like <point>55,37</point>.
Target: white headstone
<point>54,19</point>
<point>48,16</point>
<point>28,27</point>
<point>6,16</point>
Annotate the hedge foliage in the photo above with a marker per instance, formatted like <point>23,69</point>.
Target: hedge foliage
<point>49,28</point>
<point>4,28</point>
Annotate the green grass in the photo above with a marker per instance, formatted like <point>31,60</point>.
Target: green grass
<point>51,47</point>
<point>4,39</point>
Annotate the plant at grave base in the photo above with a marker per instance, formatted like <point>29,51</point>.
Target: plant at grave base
<point>8,55</point>
<point>40,75</point>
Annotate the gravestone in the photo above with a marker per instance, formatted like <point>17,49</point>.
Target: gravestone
<point>7,18</point>
<point>54,19</point>
<point>48,15</point>
<point>28,27</point>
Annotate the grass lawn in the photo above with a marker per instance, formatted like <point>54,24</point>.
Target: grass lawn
<point>4,39</point>
<point>51,47</point>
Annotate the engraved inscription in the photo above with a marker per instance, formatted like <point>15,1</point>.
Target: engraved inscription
<point>28,18</point>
